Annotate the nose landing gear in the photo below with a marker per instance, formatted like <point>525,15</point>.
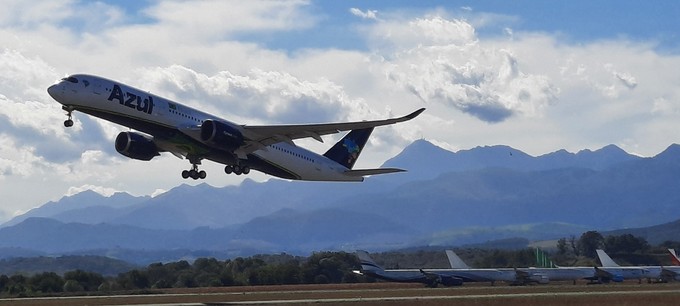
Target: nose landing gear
<point>69,121</point>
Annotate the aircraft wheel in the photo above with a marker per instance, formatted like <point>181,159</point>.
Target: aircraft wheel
<point>68,123</point>
<point>202,174</point>
<point>193,174</point>
<point>228,169</point>
<point>185,174</point>
<point>246,170</point>
<point>237,170</point>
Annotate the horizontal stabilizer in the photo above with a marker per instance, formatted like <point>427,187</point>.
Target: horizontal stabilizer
<point>364,172</point>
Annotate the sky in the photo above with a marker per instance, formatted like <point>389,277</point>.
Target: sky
<point>539,76</point>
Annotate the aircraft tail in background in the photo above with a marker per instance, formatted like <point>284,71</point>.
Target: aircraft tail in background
<point>605,259</point>
<point>455,261</point>
<point>367,263</point>
<point>674,257</point>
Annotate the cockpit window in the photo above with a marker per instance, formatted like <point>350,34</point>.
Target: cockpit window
<point>70,79</point>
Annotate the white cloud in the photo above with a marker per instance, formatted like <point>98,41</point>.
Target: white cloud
<point>213,19</point>
<point>443,61</point>
<point>104,191</point>
<point>199,53</point>
<point>158,192</point>
<point>270,96</point>
<point>368,14</point>
<point>626,79</point>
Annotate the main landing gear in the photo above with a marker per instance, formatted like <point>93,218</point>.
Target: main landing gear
<point>194,173</point>
<point>236,169</point>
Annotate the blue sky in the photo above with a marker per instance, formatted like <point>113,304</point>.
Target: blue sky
<point>535,75</point>
<point>575,21</point>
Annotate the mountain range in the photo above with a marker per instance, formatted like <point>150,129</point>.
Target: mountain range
<point>445,198</point>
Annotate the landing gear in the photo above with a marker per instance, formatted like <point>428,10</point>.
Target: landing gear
<point>69,121</point>
<point>194,173</point>
<point>236,169</point>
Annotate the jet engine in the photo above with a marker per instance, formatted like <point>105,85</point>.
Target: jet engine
<point>136,146</point>
<point>221,134</point>
<point>450,281</point>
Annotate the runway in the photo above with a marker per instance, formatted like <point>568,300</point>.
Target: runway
<point>384,293</point>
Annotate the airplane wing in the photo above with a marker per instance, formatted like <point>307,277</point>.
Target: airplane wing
<point>261,136</point>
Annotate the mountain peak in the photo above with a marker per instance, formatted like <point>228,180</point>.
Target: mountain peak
<point>671,154</point>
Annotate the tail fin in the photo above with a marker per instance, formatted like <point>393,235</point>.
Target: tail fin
<point>542,260</point>
<point>347,150</point>
<point>367,263</point>
<point>455,261</point>
<point>605,259</point>
<point>674,257</point>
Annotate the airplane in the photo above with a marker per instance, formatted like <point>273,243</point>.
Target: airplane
<point>532,275</point>
<point>168,126</point>
<point>432,277</point>
<point>674,257</point>
<point>372,269</point>
<point>492,275</point>
<point>611,271</point>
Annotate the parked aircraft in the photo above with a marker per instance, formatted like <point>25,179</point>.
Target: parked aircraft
<point>448,277</point>
<point>533,275</point>
<point>510,275</point>
<point>426,276</point>
<point>611,271</point>
<point>168,126</point>
<point>674,257</point>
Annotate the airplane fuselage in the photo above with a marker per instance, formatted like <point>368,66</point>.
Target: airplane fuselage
<point>176,128</point>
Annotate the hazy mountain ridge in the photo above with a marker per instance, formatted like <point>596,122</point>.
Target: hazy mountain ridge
<point>470,196</point>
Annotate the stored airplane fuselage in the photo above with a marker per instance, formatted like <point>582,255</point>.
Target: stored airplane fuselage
<point>168,126</point>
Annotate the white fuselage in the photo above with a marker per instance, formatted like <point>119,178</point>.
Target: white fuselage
<point>148,113</point>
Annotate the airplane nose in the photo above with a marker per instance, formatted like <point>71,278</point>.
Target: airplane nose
<point>54,91</point>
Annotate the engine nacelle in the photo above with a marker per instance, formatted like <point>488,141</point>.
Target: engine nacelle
<point>450,281</point>
<point>221,134</point>
<point>136,146</point>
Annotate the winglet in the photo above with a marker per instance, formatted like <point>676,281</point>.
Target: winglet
<point>414,114</point>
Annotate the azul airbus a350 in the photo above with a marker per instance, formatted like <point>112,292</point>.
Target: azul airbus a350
<point>168,126</point>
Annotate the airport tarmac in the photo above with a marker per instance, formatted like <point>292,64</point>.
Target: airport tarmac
<point>629,293</point>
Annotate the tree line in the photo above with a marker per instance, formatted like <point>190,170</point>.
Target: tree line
<point>319,268</point>
<point>322,267</point>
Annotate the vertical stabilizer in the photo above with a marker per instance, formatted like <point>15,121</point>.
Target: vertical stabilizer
<point>605,259</point>
<point>455,261</point>
<point>347,150</point>
<point>674,257</point>
<point>367,263</point>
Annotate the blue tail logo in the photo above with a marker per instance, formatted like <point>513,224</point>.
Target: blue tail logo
<point>346,151</point>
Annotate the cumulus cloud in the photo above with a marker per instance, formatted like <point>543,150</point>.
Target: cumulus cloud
<point>626,79</point>
<point>199,53</point>
<point>269,96</point>
<point>104,191</point>
<point>442,61</point>
<point>214,18</point>
<point>368,14</point>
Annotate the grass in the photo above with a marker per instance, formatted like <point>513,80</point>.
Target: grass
<point>630,293</point>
